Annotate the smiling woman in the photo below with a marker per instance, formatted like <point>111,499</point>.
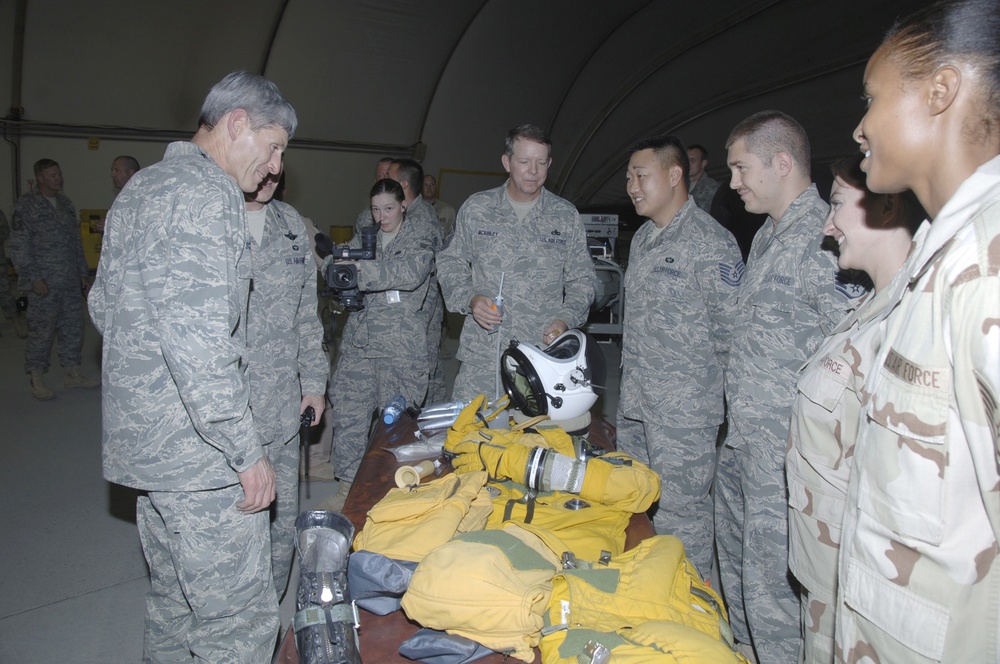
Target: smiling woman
<point>874,233</point>
<point>922,522</point>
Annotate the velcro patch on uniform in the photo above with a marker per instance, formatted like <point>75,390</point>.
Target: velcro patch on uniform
<point>732,274</point>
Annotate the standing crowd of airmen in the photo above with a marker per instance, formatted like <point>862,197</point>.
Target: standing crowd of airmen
<point>205,296</point>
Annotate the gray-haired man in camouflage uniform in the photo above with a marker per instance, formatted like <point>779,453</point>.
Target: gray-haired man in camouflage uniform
<point>47,252</point>
<point>288,368</point>
<point>789,300</point>
<point>171,300</point>
<point>680,307</point>
<point>536,240</point>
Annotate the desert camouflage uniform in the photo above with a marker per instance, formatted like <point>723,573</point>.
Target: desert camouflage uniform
<point>823,429</point>
<point>7,304</point>
<point>703,191</point>
<point>286,359</point>
<point>919,575</point>
<point>384,348</point>
<point>789,300</point>
<point>170,300</point>
<point>680,306</point>
<point>549,276</point>
<point>45,243</point>
<point>421,210</point>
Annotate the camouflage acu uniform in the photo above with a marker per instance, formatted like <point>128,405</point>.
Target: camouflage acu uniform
<point>703,191</point>
<point>170,296</point>
<point>823,429</point>
<point>549,276</point>
<point>286,361</point>
<point>421,210</point>
<point>7,304</point>
<point>384,349</point>
<point>789,300</point>
<point>680,306</point>
<point>45,243</point>
<point>446,214</point>
<point>919,575</point>
<point>437,391</point>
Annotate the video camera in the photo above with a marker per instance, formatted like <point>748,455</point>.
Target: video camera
<point>342,279</point>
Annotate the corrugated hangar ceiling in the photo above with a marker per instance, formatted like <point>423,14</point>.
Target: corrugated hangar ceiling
<point>439,79</point>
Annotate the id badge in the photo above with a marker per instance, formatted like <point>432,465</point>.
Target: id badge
<point>392,297</point>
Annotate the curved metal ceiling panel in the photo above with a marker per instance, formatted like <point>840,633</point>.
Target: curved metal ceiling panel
<point>368,75</point>
<point>129,64</point>
<point>365,71</point>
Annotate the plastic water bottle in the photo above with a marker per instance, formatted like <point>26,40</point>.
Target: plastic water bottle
<point>394,409</point>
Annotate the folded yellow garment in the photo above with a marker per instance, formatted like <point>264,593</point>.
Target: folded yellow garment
<point>586,532</point>
<point>490,586</point>
<point>410,521</point>
<point>652,582</point>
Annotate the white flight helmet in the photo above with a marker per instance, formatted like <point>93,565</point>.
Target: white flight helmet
<point>562,380</point>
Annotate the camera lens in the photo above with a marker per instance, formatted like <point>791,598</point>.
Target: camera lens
<point>344,276</point>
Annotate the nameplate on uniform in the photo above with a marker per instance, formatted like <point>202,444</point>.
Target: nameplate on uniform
<point>912,373</point>
<point>552,239</point>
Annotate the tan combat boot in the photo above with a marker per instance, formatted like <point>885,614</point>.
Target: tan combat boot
<point>76,378</point>
<point>39,389</point>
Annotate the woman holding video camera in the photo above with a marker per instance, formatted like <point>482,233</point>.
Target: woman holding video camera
<point>384,349</point>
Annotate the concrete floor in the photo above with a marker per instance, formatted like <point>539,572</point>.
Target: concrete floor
<point>74,578</point>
